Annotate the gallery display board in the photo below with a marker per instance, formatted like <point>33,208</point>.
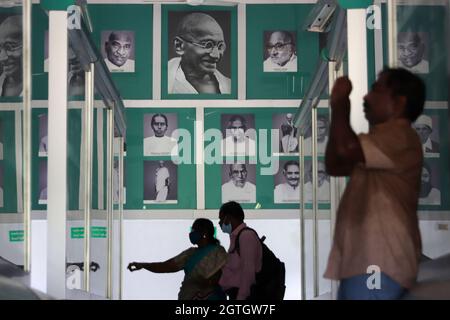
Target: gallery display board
<point>136,21</point>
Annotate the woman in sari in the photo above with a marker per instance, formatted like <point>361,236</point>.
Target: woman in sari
<point>201,264</point>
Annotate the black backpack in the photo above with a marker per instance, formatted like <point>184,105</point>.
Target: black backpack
<point>270,280</point>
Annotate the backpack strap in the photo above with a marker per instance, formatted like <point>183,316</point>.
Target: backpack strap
<point>236,242</point>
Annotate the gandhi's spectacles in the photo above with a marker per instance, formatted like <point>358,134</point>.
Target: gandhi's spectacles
<point>278,46</point>
<point>11,46</point>
<point>208,45</point>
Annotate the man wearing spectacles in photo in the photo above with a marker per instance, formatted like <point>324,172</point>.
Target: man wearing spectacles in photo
<point>200,45</point>
<point>280,52</point>
<point>11,57</point>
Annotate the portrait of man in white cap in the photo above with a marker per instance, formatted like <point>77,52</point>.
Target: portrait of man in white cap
<point>424,128</point>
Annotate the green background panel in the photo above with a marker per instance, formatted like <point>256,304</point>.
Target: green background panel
<point>429,19</point>
<point>7,119</point>
<point>279,85</point>
<point>187,190</point>
<point>232,47</point>
<point>73,158</point>
<point>264,183</point>
<point>134,17</point>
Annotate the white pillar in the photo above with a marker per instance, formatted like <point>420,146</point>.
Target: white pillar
<point>57,155</point>
<point>357,66</point>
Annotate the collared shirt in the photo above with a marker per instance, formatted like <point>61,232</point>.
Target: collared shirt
<point>240,270</point>
<point>290,66</point>
<point>177,82</point>
<point>430,146</point>
<point>284,192</point>
<point>232,193</point>
<point>422,67</point>
<point>377,221</point>
<point>128,66</point>
<point>160,146</point>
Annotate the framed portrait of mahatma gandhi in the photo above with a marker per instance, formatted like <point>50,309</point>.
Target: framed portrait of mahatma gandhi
<point>160,182</point>
<point>118,50</point>
<point>199,58</point>
<point>280,51</point>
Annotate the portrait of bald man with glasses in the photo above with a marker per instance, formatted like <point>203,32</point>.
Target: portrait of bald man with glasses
<point>199,45</point>
<point>280,52</point>
<point>11,56</point>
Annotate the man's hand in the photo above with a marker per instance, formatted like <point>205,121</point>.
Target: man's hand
<point>134,266</point>
<point>341,91</point>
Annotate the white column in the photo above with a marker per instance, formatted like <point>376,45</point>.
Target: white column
<point>357,66</point>
<point>57,155</point>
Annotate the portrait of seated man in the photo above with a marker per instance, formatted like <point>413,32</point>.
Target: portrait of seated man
<point>323,182</point>
<point>288,191</point>
<point>119,49</point>
<point>238,188</point>
<point>160,182</point>
<point>411,47</point>
<point>429,194</point>
<point>289,139</point>
<point>280,51</point>
<point>158,143</point>
<point>199,46</point>
<point>323,128</point>
<point>11,84</point>
<point>424,128</point>
<point>237,141</point>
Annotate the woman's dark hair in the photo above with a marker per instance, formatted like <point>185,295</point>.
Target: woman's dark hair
<point>205,227</point>
<point>402,82</point>
<point>233,209</point>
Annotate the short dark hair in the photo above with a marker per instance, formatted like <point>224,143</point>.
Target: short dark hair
<point>402,82</point>
<point>290,163</point>
<point>235,117</point>
<point>159,115</point>
<point>232,209</point>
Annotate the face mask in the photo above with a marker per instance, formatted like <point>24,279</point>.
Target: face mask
<point>226,228</point>
<point>195,237</point>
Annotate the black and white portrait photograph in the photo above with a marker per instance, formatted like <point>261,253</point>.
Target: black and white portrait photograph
<point>427,127</point>
<point>239,183</point>
<point>239,135</point>
<point>158,134</point>
<point>75,72</point>
<point>43,135</point>
<point>1,186</point>
<point>323,128</point>
<point>199,56</point>
<point>116,184</point>
<point>42,182</point>
<point>11,84</point>
<point>284,123</point>
<point>323,182</point>
<point>287,182</point>
<point>412,51</point>
<point>118,50</point>
<point>430,193</point>
<point>160,182</point>
<point>280,51</point>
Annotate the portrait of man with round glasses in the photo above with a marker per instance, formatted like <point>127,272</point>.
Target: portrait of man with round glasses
<point>199,47</point>
<point>11,56</point>
<point>280,54</point>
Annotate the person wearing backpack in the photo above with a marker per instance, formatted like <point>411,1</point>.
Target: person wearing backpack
<point>238,274</point>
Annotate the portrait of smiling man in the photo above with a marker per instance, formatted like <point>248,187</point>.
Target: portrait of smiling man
<point>280,51</point>
<point>199,45</point>
<point>119,49</point>
<point>411,47</point>
<point>11,56</point>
